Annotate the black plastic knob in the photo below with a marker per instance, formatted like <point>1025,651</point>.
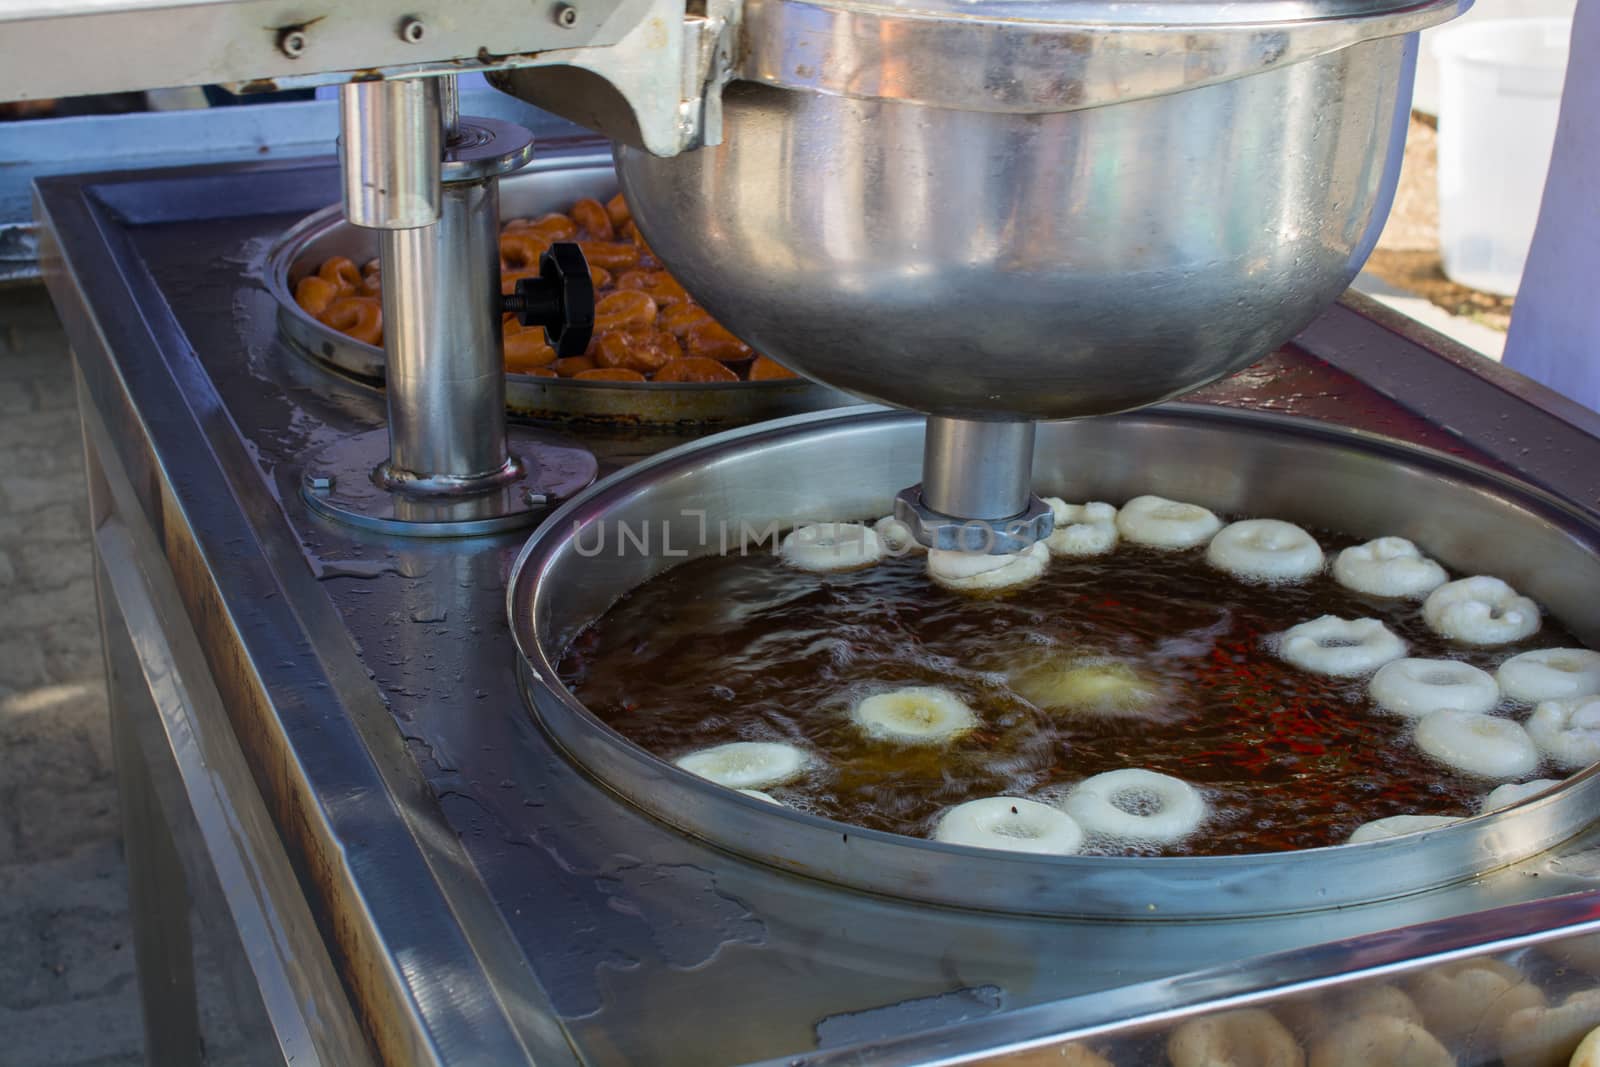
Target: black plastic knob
<point>561,299</point>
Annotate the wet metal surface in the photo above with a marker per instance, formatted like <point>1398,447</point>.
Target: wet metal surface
<point>386,700</point>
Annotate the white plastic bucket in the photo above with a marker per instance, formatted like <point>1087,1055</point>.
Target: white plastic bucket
<point>1499,97</point>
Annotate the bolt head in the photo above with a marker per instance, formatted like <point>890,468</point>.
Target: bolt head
<point>412,31</point>
<point>566,16</point>
<point>292,43</point>
<point>535,499</point>
<point>321,483</point>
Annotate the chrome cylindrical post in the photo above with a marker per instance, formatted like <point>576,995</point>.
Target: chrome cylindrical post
<point>390,148</point>
<point>973,469</point>
<point>428,181</point>
<point>442,343</point>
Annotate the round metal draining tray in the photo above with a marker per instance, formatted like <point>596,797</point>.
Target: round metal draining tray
<point>554,180</point>
<point>849,465</point>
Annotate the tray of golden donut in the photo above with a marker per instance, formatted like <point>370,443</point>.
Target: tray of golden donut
<point>657,357</point>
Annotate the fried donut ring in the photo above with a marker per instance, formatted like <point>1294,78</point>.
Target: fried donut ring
<point>695,369</point>
<point>572,366</point>
<point>1054,1056</point>
<point>1548,1037</point>
<point>593,220</point>
<point>645,351</point>
<point>314,293</point>
<point>1470,997</point>
<point>599,277</point>
<point>342,272</point>
<point>662,287</point>
<point>1587,1054</point>
<point>1375,1039</point>
<point>1247,1038</point>
<point>612,255</point>
<point>1312,1017</point>
<point>609,374</point>
<point>371,284</point>
<point>712,340</point>
<point>553,227</point>
<point>769,370</point>
<point>622,310</point>
<point>526,349</point>
<point>521,252</point>
<point>618,211</point>
<point>681,318</point>
<point>357,317</point>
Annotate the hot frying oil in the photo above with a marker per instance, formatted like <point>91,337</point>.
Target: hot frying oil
<point>1183,680</point>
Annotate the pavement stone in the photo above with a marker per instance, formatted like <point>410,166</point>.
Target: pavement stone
<point>68,990</point>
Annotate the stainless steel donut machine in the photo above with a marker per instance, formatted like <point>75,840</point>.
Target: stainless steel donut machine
<point>366,822</point>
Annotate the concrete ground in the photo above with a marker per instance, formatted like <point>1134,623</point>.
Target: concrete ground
<point>68,996</point>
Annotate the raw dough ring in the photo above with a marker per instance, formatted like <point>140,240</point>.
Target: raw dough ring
<point>1343,648</point>
<point>1162,523</point>
<point>1179,807</point>
<point>1550,674</point>
<point>1503,796</point>
<point>1012,824</point>
<point>915,715</point>
<point>1387,567</point>
<point>1265,550</point>
<point>1416,687</point>
<point>1568,731</point>
<point>1082,529</point>
<point>1247,1038</point>
<point>896,537</point>
<point>747,764</point>
<point>1397,826</point>
<point>1480,611</point>
<point>1475,743</point>
<point>978,572</point>
<point>826,547</point>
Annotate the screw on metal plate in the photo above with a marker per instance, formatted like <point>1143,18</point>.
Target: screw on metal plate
<point>566,16</point>
<point>412,31</point>
<point>292,41</point>
<point>322,483</point>
<point>535,499</point>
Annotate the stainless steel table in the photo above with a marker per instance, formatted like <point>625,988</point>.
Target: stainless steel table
<point>328,772</point>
